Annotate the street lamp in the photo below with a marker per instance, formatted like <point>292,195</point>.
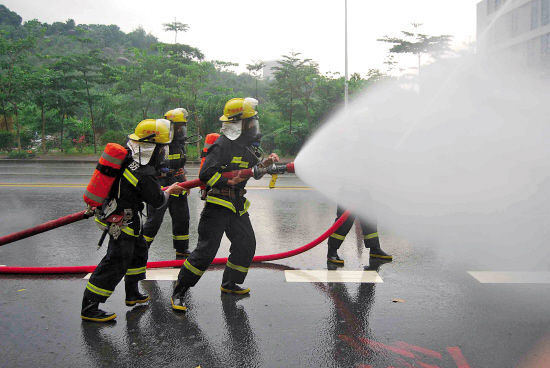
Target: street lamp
<point>346,53</point>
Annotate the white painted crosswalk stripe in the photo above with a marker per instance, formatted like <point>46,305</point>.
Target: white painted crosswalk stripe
<point>157,274</point>
<point>332,276</point>
<point>169,274</point>
<point>511,277</point>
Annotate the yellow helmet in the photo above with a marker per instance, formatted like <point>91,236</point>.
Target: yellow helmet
<point>153,131</point>
<point>239,108</point>
<point>178,115</point>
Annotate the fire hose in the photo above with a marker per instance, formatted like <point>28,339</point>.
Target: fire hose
<point>178,263</point>
<point>246,173</point>
<point>255,172</point>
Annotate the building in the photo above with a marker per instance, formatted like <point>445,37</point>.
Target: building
<point>519,28</point>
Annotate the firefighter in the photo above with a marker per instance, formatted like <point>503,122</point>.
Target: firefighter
<point>127,251</point>
<point>177,203</point>
<point>370,238</point>
<point>226,208</point>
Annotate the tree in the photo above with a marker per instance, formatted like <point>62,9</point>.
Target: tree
<point>193,83</point>
<point>8,17</point>
<point>41,93</point>
<point>254,71</point>
<point>293,85</point>
<point>67,92</point>
<point>91,70</point>
<point>175,27</point>
<point>145,80</point>
<point>140,39</point>
<point>183,53</point>
<point>14,69</point>
<point>223,66</point>
<point>418,44</point>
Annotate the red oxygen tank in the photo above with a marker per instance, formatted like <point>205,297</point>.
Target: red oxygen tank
<point>105,174</point>
<point>208,142</point>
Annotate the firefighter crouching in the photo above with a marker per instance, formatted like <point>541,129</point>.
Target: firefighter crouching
<point>127,251</point>
<point>177,203</point>
<point>226,208</point>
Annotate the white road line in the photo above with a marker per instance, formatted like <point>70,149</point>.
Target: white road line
<point>169,274</point>
<point>332,276</point>
<point>510,277</point>
<point>157,274</point>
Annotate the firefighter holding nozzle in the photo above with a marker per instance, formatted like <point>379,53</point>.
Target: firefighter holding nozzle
<point>136,182</point>
<point>226,208</point>
<point>177,203</point>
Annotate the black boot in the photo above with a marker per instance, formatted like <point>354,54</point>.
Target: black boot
<point>332,256</point>
<point>229,287</point>
<point>91,312</point>
<point>177,301</point>
<point>379,253</point>
<point>133,296</point>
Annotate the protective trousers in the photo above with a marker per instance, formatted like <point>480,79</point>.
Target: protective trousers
<point>214,222</point>
<point>370,234</point>
<point>179,211</point>
<point>126,256</point>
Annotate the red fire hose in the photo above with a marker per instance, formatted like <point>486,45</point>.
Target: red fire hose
<point>177,263</point>
<point>65,220</point>
<point>69,219</point>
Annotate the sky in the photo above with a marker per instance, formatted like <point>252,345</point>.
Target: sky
<point>249,31</point>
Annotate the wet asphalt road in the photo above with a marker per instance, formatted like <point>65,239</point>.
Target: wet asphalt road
<point>443,317</point>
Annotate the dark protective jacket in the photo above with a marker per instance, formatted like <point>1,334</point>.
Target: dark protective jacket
<point>223,156</point>
<point>137,184</point>
<point>176,161</point>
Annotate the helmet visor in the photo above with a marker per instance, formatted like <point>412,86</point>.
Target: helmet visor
<point>180,131</point>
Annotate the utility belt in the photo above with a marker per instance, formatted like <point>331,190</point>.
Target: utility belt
<point>228,192</point>
<point>117,223</point>
<point>114,221</point>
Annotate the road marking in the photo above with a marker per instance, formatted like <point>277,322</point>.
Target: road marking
<point>157,274</point>
<point>169,274</point>
<point>332,276</point>
<point>510,277</point>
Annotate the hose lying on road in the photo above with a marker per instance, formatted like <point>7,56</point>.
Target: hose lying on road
<point>177,263</point>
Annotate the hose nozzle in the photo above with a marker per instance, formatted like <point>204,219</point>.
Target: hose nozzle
<point>273,169</point>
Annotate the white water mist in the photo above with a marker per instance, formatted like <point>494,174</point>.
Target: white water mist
<point>461,163</point>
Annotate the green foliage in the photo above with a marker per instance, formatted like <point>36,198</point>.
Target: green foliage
<point>417,44</point>
<point>6,140</point>
<point>192,153</point>
<point>140,39</point>
<point>76,128</point>
<point>175,27</point>
<point>113,136</point>
<point>67,80</point>
<point>20,154</point>
<point>8,17</point>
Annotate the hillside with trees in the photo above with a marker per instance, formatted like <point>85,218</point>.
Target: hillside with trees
<point>69,87</point>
